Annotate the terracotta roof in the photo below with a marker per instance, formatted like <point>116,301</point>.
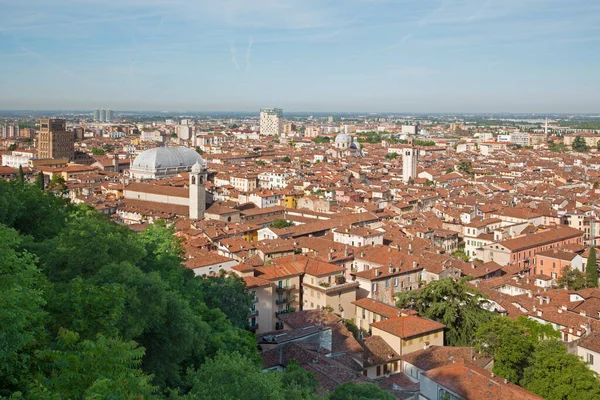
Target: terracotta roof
<point>591,342</point>
<point>406,327</point>
<point>437,356</point>
<point>474,383</point>
<point>385,310</point>
<point>541,238</point>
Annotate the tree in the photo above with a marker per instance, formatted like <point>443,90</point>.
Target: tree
<point>199,150</point>
<point>20,175</point>
<point>554,374</point>
<point>299,379</point>
<point>572,279</point>
<point>466,167</point>
<point>92,369</point>
<point>591,269</point>
<point>21,315</point>
<point>451,303</point>
<point>39,180</point>
<point>286,159</point>
<point>58,183</point>
<point>233,376</point>
<point>580,145</point>
<point>281,223</point>
<point>360,391</point>
<point>321,139</point>
<point>12,147</point>
<point>391,156</point>
<point>505,340</point>
<point>97,151</point>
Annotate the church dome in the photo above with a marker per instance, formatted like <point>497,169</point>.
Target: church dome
<point>343,138</point>
<point>167,158</point>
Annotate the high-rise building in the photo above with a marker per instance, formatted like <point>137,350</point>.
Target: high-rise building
<point>96,115</point>
<point>54,141</point>
<point>102,115</point>
<point>109,115</point>
<point>409,162</point>
<point>9,130</point>
<point>271,121</point>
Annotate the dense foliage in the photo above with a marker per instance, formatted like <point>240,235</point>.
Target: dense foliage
<point>591,269</point>
<point>93,310</point>
<point>454,304</point>
<point>530,354</point>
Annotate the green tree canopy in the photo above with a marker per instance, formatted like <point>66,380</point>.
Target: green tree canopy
<point>506,341</point>
<point>572,279</point>
<point>281,223</point>
<point>591,269</point>
<point>580,145</point>
<point>232,377</point>
<point>454,304</point>
<point>360,391</point>
<point>556,375</point>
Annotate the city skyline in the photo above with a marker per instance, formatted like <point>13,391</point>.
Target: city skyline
<point>368,56</point>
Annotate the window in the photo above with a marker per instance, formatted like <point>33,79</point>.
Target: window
<point>378,370</point>
<point>395,282</point>
<point>363,313</point>
<point>374,288</point>
<point>280,284</point>
<point>387,283</point>
<point>590,358</point>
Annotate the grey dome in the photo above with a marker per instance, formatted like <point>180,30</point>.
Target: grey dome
<point>355,145</point>
<point>343,138</point>
<point>167,157</point>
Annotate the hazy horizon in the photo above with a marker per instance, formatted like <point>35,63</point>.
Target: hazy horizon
<point>511,56</point>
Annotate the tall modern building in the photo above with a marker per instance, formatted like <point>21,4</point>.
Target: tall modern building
<point>102,115</point>
<point>96,115</point>
<point>271,121</point>
<point>54,141</point>
<point>109,115</point>
<point>409,162</point>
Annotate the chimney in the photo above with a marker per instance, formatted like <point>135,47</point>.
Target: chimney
<point>330,256</point>
<point>392,269</point>
<point>582,313</point>
<point>410,248</point>
<point>377,272</point>
<point>472,265</point>
<point>389,249</point>
<point>539,313</point>
<point>362,254</point>
<point>346,251</point>
<point>414,264</point>
<point>560,310</point>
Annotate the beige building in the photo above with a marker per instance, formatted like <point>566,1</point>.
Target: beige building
<point>54,141</point>
<point>411,333</point>
<point>369,311</point>
<point>313,131</point>
<point>324,286</point>
<point>591,139</point>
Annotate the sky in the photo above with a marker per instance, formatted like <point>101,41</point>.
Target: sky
<point>301,55</point>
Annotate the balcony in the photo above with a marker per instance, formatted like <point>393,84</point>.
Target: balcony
<point>255,299</point>
<point>253,328</point>
<point>282,300</point>
<point>282,289</point>
<point>285,311</point>
<point>253,313</point>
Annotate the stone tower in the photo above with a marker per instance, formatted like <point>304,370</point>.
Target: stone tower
<point>409,162</point>
<point>197,191</point>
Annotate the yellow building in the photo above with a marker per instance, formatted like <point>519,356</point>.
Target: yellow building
<point>290,200</point>
<point>411,333</point>
<point>54,141</point>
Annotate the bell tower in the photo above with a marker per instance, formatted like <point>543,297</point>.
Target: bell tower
<point>197,187</point>
<point>409,161</point>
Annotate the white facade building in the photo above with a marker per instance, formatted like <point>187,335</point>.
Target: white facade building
<point>271,121</point>
<point>18,158</point>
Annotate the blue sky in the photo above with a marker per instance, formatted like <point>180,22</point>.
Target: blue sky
<point>306,55</point>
